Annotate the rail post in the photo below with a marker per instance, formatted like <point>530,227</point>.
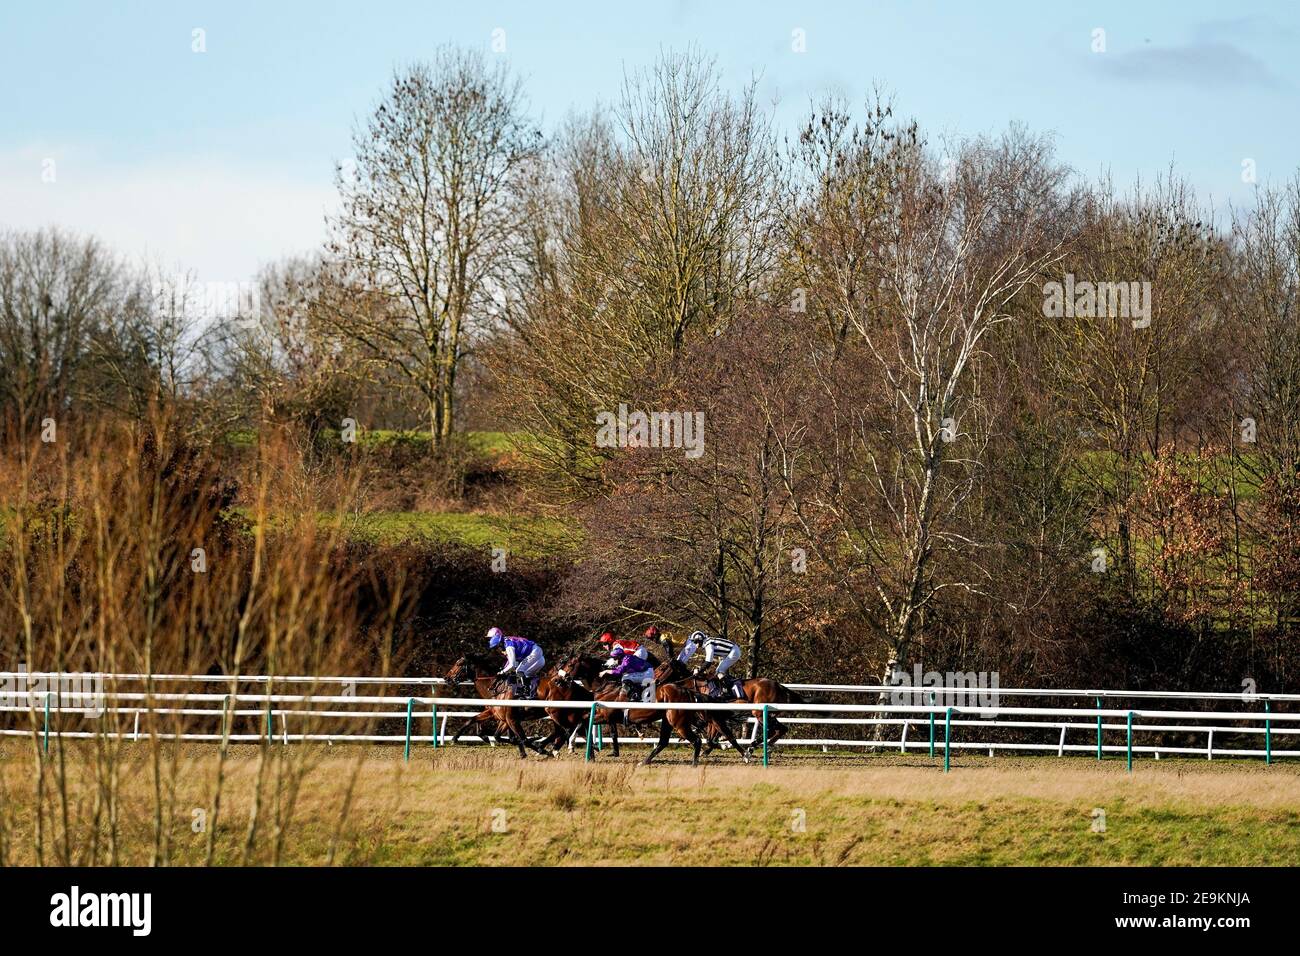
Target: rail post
<point>433,723</point>
<point>410,708</point>
<point>45,747</point>
<point>765,756</point>
<point>270,732</point>
<point>931,723</point>
<point>1099,728</point>
<point>591,723</point>
<point>225,716</point>
<point>947,740</point>
<point>1130,741</point>
<point>1268,736</point>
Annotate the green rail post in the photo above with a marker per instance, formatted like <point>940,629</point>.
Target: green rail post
<point>1268,736</point>
<point>765,756</point>
<point>1130,741</point>
<point>225,716</point>
<point>46,746</point>
<point>410,708</point>
<point>1099,729</point>
<point>931,723</point>
<point>947,740</point>
<point>591,723</point>
<point>600,737</point>
<point>434,717</point>
<point>269,735</point>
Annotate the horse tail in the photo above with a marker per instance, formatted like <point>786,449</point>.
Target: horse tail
<point>792,697</point>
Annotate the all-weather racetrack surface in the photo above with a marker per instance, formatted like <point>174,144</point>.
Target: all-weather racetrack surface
<point>359,805</point>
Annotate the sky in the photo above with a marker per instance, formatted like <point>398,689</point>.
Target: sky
<point>219,160</point>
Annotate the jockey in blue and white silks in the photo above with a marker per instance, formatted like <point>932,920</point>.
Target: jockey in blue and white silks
<point>523,657</point>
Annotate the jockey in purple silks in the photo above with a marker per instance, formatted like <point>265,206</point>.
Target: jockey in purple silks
<point>637,675</point>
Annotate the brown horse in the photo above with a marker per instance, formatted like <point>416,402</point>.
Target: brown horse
<point>556,684</point>
<point>756,690</point>
<point>490,685</point>
<point>484,723</point>
<point>587,670</point>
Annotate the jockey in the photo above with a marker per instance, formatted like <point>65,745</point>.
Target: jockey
<point>715,649</point>
<point>629,646</point>
<point>522,656</point>
<point>637,674</point>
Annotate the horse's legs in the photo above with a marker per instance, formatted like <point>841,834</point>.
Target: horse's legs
<point>515,731</point>
<point>613,728</point>
<point>525,740</point>
<point>665,730</point>
<point>687,731</point>
<point>556,737</point>
<point>480,718</point>
<point>721,725</point>
<point>717,727</point>
<point>775,730</point>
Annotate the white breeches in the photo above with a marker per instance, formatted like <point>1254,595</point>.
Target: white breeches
<point>725,664</point>
<point>531,664</point>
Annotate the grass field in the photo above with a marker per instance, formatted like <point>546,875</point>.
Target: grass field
<point>525,536</point>
<point>473,806</point>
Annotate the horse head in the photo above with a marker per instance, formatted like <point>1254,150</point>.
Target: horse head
<point>467,668</point>
<point>579,667</point>
<point>458,671</point>
<point>671,670</point>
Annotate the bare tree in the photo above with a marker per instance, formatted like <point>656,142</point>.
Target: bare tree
<point>61,300</point>
<point>660,232</point>
<point>896,412</point>
<point>427,209</point>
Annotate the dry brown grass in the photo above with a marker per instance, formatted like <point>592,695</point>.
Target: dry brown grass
<point>483,807</point>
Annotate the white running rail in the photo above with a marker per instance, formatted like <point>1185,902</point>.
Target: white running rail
<point>247,709</point>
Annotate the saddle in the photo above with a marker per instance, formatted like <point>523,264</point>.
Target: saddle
<point>636,692</point>
<point>725,690</point>
<point>521,688</point>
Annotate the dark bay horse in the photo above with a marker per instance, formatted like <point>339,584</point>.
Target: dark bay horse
<point>587,671</point>
<point>489,685</point>
<point>755,690</point>
<point>553,686</point>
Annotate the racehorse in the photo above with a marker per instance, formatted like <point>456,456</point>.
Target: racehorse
<point>556,684</point>
<point>755,690</point>
<point>485,722</point>
<point>489,685</point>
<point>587,670</point>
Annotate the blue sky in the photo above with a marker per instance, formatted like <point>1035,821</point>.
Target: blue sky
<point>221,160</point>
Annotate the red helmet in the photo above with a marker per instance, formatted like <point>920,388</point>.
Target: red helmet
<point>607,638</point>
<point>651,632</point>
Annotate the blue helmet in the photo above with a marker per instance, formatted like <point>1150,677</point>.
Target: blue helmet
<point>495,637</point>
<point>616,651</point>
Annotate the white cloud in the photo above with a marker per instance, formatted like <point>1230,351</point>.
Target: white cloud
<point>219,219</point>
